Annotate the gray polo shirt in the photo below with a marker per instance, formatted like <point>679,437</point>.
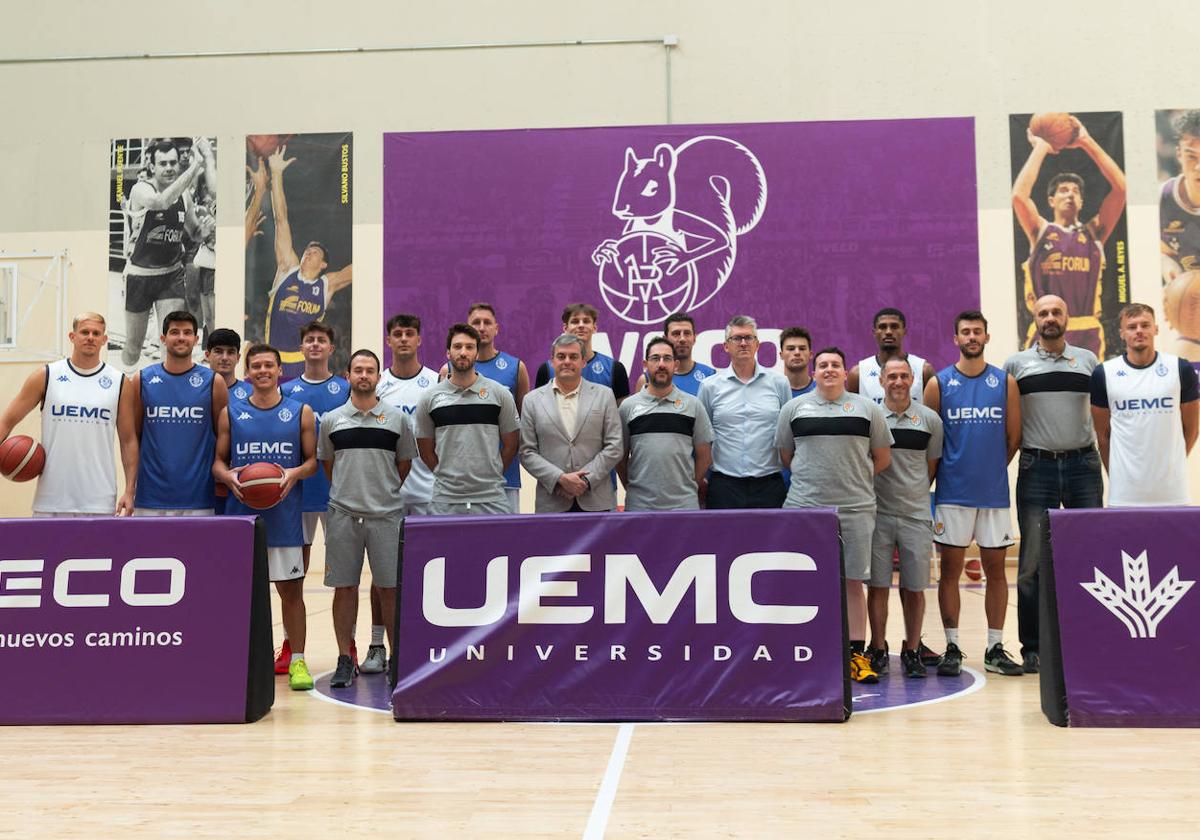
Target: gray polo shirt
<point>903,488</point>
<point>831,464</point>
<point>465,425</point>
<point>743,416</point>
<point>1055,412</point>
<point>660,435</point>
<point>364,447</point>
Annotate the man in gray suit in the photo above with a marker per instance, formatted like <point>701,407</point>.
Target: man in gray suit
<point>571,436</point>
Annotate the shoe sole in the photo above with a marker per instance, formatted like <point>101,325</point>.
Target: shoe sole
<point>346,684</point>
<point>300,687</point>
<point>996,669</point>
<point>363,669</point>
<point>957,672</point>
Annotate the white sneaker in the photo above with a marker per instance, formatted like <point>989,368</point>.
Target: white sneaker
<point>376,661</point>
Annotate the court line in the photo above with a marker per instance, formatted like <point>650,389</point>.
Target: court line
<point>602,807</point>
<point>333,700</point>
<point>980,682</point>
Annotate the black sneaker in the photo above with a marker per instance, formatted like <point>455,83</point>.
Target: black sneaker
<point>879,659</point>
<point>951,664</point>
<point>928,658</point>
<point>343,675</point>
<point>998,661</point>
<point>910,660</point>
<point>1031,663</point>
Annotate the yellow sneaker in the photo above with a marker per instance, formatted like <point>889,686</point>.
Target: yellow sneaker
<point>860,669</point>
<point>298,677</point>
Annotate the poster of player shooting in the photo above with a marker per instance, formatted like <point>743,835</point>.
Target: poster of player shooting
<point>1069,222</point>
<point>1178,151</point>
<point>299,216</point>
<point>162,229</point>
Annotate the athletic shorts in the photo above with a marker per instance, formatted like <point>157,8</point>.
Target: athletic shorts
<point>285,562</point>
<point>142,290</point>
<point>957,526</point>
<point>416,509</point>
<point>514,499</point>
<point>348,536</point>
<point>207,277</point>
<point>913,539</point>
<point>137,511</point>
<point>437,508</point>
<point>856,526</point>
<point>311,518</point>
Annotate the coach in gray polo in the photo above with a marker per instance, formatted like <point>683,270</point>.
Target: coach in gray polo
<point>836,441</point>
<point>366,448</point>
<point>668,439</point>
<point>467,431</point>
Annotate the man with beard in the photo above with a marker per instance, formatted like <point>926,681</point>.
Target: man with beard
<point>680,330</point>
<point>980,408</point>
<point>668,439</point>
<point>1059,465</point>
<point>795,351</point>
<point>580,319</point>
<point>890,328</point>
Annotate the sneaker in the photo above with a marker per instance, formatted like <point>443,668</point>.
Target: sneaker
<point>879,659</point>
<point>951,664</point>
<point>376,661</point>
<point>928,658</point>
<point>861,670</point>
<point>283,658</point>
<point>910,660</point>
<point>343,675</point>
<point>998,661</point>
<point>298,677</point>
<point>1031,663</point>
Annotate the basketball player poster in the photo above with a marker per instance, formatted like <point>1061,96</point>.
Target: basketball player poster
<point>162,228</point>
<point>1178,147</point>
<point>794,224</point>
<point>1069,223</point>
<point>299,218</point>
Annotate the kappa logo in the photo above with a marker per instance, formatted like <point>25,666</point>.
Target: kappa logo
<point>1137,606</point>
<point>296,389</point>
<point>244,416</point>
<point>62,377</point>
<point>1122,373</point>
<point>952,382</point>
<point>195,380</point>
<point>683,209</point>
<point>155,380</point>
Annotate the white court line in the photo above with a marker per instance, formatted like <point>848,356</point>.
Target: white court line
<point>327,699</point>
<point>980,681</point>
<point>598,819</point>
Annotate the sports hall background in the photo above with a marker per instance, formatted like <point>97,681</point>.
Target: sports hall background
<point>750,62</point>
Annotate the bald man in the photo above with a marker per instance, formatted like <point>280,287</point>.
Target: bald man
<point>1059,465</point>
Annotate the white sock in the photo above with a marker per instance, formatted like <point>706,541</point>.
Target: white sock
<point>995,637</point>
<point>951,635</point>
<point>297,656</point>
<point>377,634</point>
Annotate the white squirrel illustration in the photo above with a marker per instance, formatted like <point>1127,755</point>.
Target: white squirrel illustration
<point>697,199</point>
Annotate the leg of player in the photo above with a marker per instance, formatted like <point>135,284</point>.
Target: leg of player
<point>376,660</point>
<point>950,604</point>
<point>345,617</point>
<point>387,599</point>
<point>913,604</point>
<point>995,603</point>
<point>877,615</point>
<point>291,606</point>
<point>135,336</point>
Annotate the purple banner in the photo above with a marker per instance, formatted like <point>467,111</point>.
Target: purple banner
<point>811,224</point>
<point>1128,615</point>
<point>698,615</point>
<point>125,620</point>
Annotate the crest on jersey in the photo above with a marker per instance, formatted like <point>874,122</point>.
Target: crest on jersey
<point>1160,369</point>
<point>698,375</point>
<point>105,381</point>
<point>848,407</point>
<point>422,381</point>
<point>939,528</point>
<point>285,414</point>
<point>380,419</point>
<point>597,366</point>
<point>678,404</point>
<point>501,364</point>
<point>483,392</point>
<point>195,380</point>
<point>1073,362</point>
<point>334,388</point>
<point>991,380</point>
<point>239,392</point>
<point>913,418</point>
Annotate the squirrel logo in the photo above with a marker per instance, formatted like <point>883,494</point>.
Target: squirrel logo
<point>684,209</point>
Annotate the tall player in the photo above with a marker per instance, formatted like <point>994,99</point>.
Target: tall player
<point>303,287</point>
<point>890,327</point>
<point>159,211</point>
<point>221,351</point>
<point>680,330</point>
<point>1066,254</point>
<point>980,408</point>
<point>580,319</point>
<point>84,402</point>
<point>178,403</point>
<point>269,426</point>
<point>1179,222</point>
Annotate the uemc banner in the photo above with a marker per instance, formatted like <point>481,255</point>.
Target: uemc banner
<point>730,615</point>
<point>125,620</point>
<point>1128,615</point>
<point>796,224</point>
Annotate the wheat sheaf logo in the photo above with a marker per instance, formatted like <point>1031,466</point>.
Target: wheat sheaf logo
<point>1140,608</point>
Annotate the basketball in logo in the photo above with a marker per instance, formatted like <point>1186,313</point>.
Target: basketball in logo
<point>638,290</point>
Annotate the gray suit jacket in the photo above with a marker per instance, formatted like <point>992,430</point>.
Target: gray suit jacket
<point>547,451</point>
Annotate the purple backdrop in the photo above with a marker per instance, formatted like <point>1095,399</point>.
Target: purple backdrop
<point>1128,614</point>
<point>60,662</point>
<point>817,224</point>
<point>697,662</point>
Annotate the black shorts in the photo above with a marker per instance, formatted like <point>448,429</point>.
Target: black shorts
<point>141,291</point>
<point>208,279</point>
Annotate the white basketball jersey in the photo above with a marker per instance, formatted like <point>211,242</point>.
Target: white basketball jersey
<point>869,384</point>
<point>79,420</point>
<point>1147,461</point>
<point>404,394</point>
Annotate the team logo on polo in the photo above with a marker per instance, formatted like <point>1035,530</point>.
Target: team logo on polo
<point>334,388</point>
<point>1137,606</point>
<point>847,407</point>
<point>991,380</point>
<point>683,209</point>
<point>501,364</point>
<point>483,392</point>
<point>195,380</point>
<point>105,381</point>
<point>285,414</point>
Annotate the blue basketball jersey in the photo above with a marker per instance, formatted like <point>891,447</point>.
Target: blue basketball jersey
<point>321,397</point>
<point>504,369</point>
<point>812,384</point>
<point>690,382</point>
<point>241,391</point>
<point>269,434</point>
<point>178,442</point>
<point>973,471</point>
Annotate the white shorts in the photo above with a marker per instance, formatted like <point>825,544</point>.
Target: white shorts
<point>514,499</point>
<point>311,518</point>
<point>137,511</point>
<point>285,562</point>
<point>957,526</point>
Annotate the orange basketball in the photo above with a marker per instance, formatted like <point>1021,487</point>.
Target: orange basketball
<point>21,458</point>
<point>263,145</point>
<point>261,484</point>
<point>1181,304</point>
<point>973,569</point>
<point>1055,127</point>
